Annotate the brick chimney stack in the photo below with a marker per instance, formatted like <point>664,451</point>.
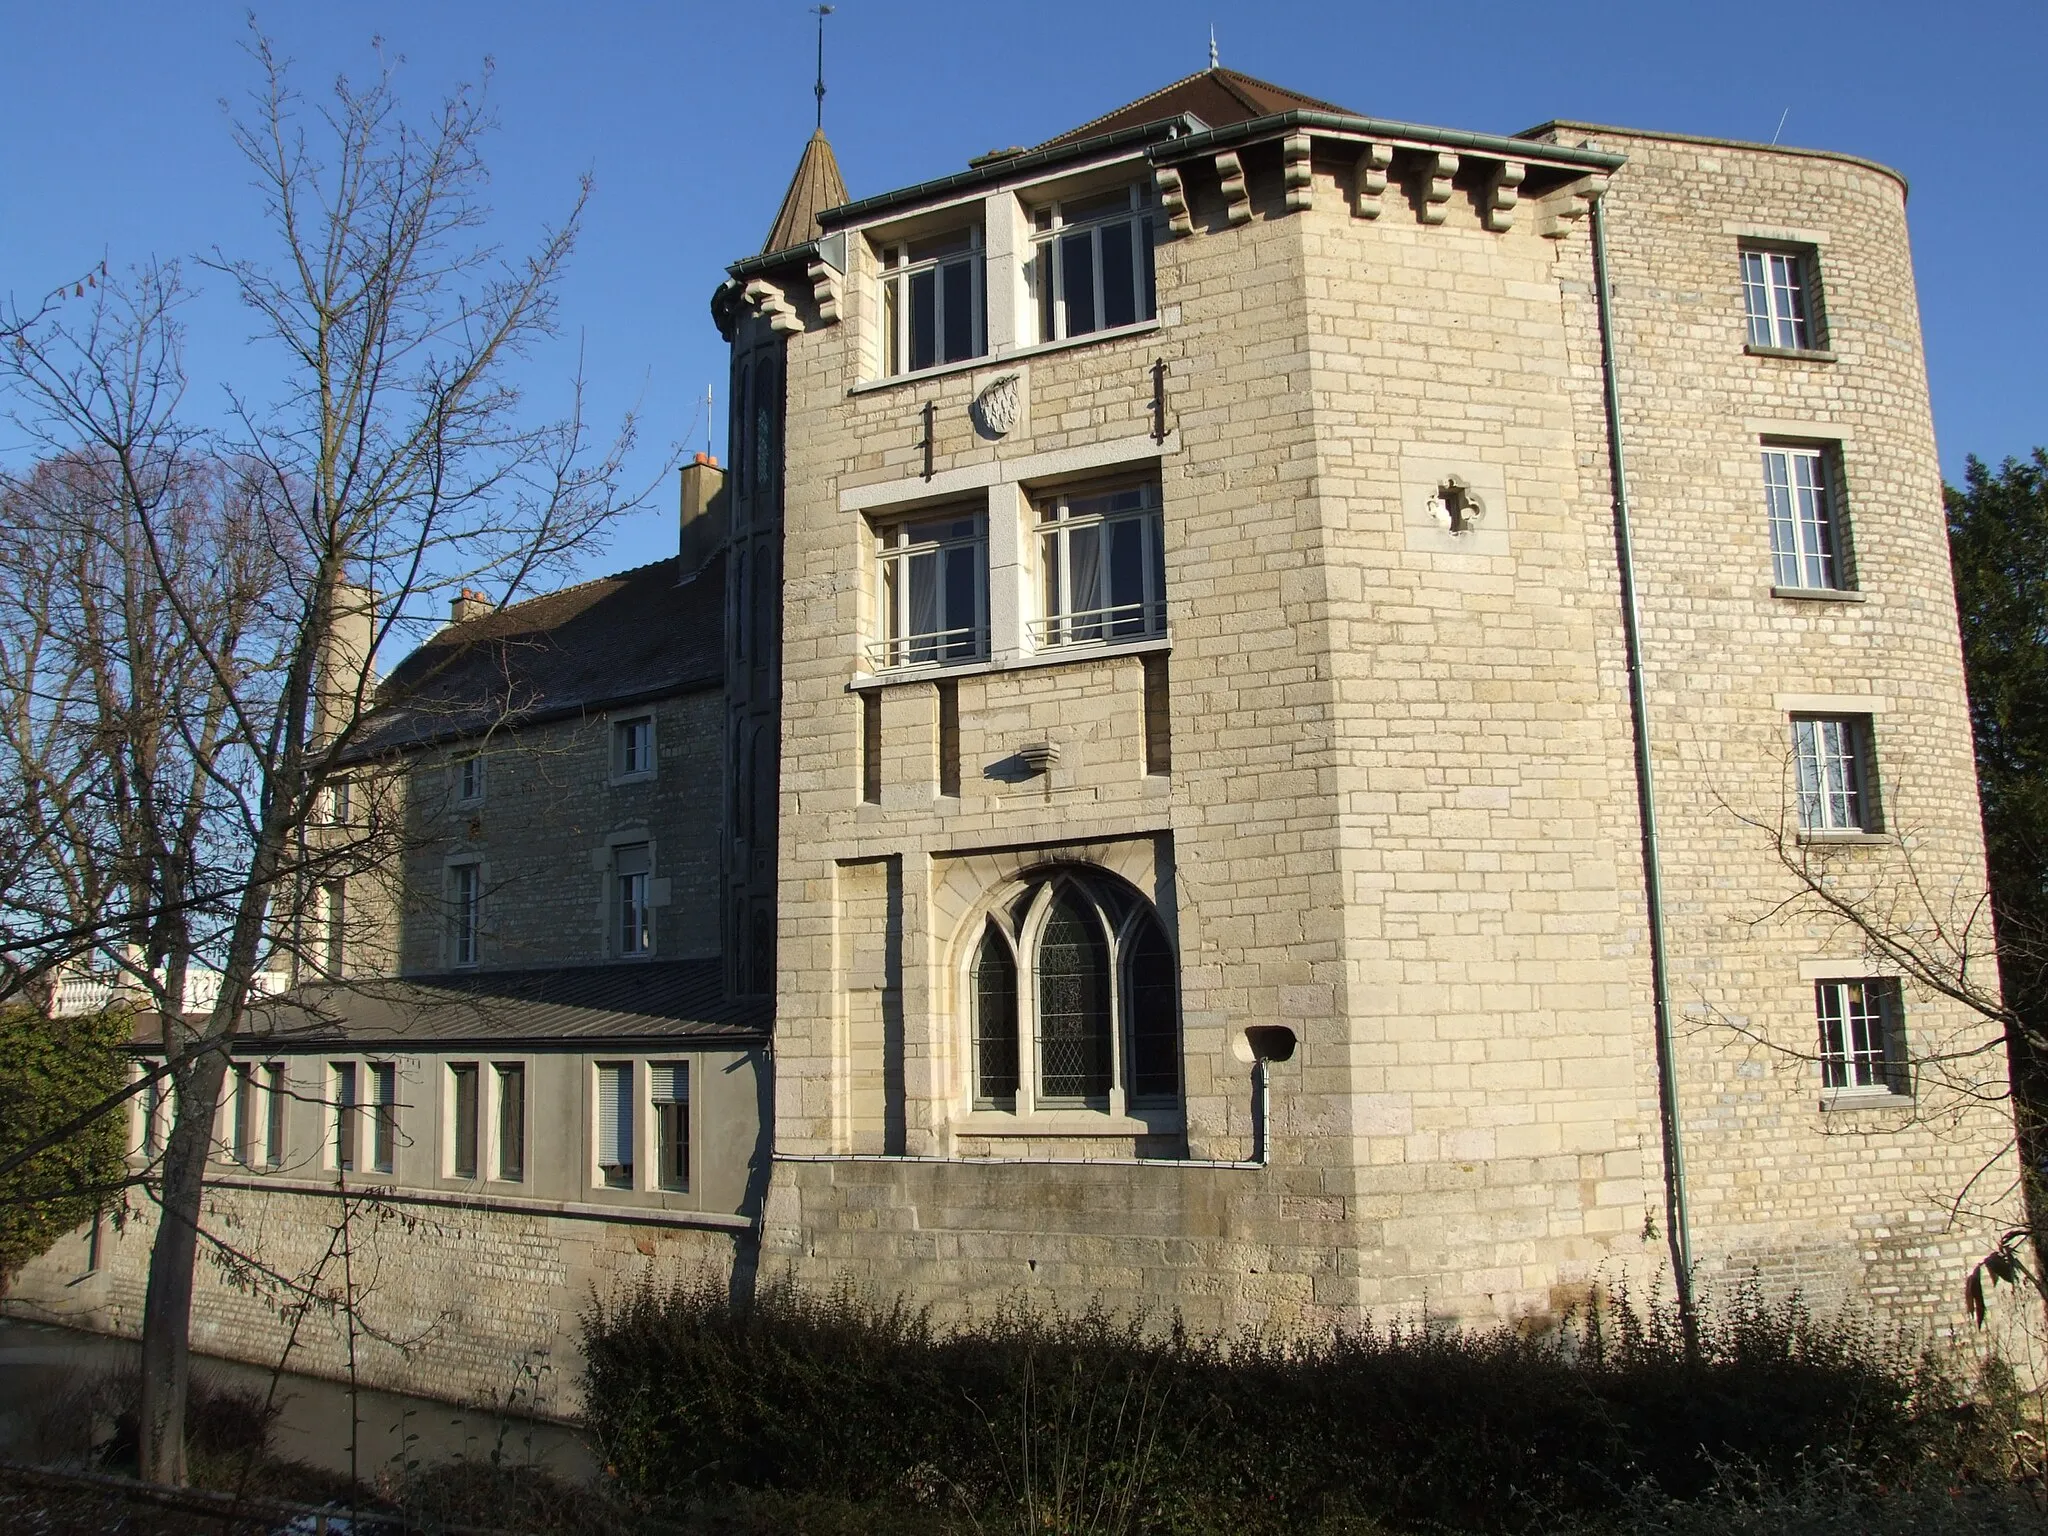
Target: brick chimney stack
<point>467,604</point>
<point>702,527</point>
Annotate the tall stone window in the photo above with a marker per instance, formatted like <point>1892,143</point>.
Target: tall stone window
<point>1074,999</point>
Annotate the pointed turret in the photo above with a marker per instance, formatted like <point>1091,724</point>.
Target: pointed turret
<point>816,186</point>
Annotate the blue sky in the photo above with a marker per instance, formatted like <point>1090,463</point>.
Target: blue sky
<point>690,118</point>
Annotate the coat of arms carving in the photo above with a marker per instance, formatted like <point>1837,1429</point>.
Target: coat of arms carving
<point>997,407</point>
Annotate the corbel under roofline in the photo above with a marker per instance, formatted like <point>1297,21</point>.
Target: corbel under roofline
<point>1414,136</point>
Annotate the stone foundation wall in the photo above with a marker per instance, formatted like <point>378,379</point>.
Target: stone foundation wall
<point>469,1304</point>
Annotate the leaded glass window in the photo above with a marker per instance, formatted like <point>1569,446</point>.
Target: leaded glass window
<point>995,1020</point>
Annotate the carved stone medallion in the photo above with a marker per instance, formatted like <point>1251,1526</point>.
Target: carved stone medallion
<point>996,407</point>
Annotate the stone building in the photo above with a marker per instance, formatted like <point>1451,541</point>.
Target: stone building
<point>1252,709</point>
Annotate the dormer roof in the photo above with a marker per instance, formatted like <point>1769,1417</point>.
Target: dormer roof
<point>1216,96</point>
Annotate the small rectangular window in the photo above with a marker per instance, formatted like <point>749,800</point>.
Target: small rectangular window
<point>630,874</point>
<point>672,1122</point>
<point>511,1120</point>
<point>871,748</point>
<point>1862,1035</point>
<point>949,737</point>
<point>276,1098</point>
<point>933,302</point>
<point>1091,266</point>
<point>245,1113</point>
<point>1102,567</point>
<point>342,1095</point>
<point>465,900</point>
<point>633,747</point>
<point>1805,521</point>
<point>932,590</point>
<point>155,1100</point>
<point>615,1124</point>
<point>469,778</point>
<point>462,1142</point>
<point>334,912</point>
<point>1158,717</point>
<point>1775,297</point>
<point>1835,775</point>
<point>384,1116</point>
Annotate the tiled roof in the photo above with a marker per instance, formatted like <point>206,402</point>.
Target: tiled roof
<point>816,186</point>
<point>675,1000</point>
<point>1217,96</point>
<point>636,635</point>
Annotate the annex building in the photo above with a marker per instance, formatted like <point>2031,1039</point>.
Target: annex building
<point>1239,734</point>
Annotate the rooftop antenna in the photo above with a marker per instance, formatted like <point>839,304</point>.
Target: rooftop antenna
<point>1781,126</point>
<point>1212,45</point>
<point>821,12</point>
<point>707,421</point>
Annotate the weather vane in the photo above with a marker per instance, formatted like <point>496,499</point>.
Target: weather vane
<point>821,12</point>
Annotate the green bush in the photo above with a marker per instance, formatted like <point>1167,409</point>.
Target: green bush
<point>52,1070</point>
<point>1057,1423</point>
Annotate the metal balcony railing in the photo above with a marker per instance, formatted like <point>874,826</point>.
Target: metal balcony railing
<point>1100,626</point>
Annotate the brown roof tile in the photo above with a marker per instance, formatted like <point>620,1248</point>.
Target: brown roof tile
<point>1217,96</point>
<point>637,635</point>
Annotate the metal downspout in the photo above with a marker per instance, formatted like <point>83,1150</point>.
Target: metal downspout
<point>1676,1222</point>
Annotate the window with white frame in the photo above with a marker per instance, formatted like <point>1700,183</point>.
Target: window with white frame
<point>277,1096</point>
<point>383,1116</point>
<point>344,1101</point>
<point>1074,1000</point>
<point>469,779</point>
<point>615,1124</point>
<point>632,917</point>
<point>465,1127</point>
<point>465,913</point>
<point>1101,566</point>
<point>1834,775</point>
<point>511,1125</point>
<point>1091,263</point>
<point>1776,297</point>
<point>1862,1035</point>
<point>670,1084</point>
<point>931,597</point>
<point>1806,544</point>
<point>154,1103</point>
<point>933,301</point>
<point>633,748</point>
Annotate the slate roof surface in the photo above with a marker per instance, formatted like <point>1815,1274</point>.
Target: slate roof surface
<point>636,635</point>
<point>816,186</point>
<point>1218,97</point>
<point>675,1000</point>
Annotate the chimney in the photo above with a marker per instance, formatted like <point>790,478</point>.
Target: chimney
<point>347,675</point>
<point>467,604</point>
<point>702,528</point>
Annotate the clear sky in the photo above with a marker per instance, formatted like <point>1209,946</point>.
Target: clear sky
<point>690,117</point>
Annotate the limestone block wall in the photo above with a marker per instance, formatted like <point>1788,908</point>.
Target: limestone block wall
<point>470,1304</point>
<point>552,809</point>
<point>1883,1202</point>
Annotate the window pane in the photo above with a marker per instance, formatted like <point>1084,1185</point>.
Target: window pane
<point>1784,532</point>
<point>384,1117</point>
<point>344,1088</point>
<point>963,592</point>
<point>892,356</point>
<point>1154,1016</point>
<point>273,1150</point>
<point>511,1120</point>
<point>995,1021</point>
<point>1789,300</point>
<point>1127,576</point>
<point>615,1124</point>
<point>1119,279</point>
<point>462,1152</point>
<point>1077,278</point>
<point>958,277</point>
<point>924,319</point>
<point>924,603</point>
<point>1073,1003</point>
<point>1756,298</point>
<point>1145,270</point>
<point>1815,537</point>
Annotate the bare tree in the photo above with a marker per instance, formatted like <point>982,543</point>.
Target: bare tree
<point>180,707</point>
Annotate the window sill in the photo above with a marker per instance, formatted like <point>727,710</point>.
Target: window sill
<point>1796,354</point>
<point>632,778</point>
<point>1070,1122</point>
<point>1016,354</point>
<point>1864,1098</point>
<point>1821,594</point>
<point>1058,656</point>
<point>1851,839</point>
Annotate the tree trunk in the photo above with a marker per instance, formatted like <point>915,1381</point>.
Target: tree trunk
<point>167,1312</point>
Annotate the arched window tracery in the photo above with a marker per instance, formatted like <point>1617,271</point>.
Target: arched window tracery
<point>1073,999</point>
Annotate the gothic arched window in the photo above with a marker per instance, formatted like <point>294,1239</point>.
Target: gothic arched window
<point>1074,997</point>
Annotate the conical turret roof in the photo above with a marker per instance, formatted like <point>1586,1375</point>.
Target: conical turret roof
<point>816,186</point>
